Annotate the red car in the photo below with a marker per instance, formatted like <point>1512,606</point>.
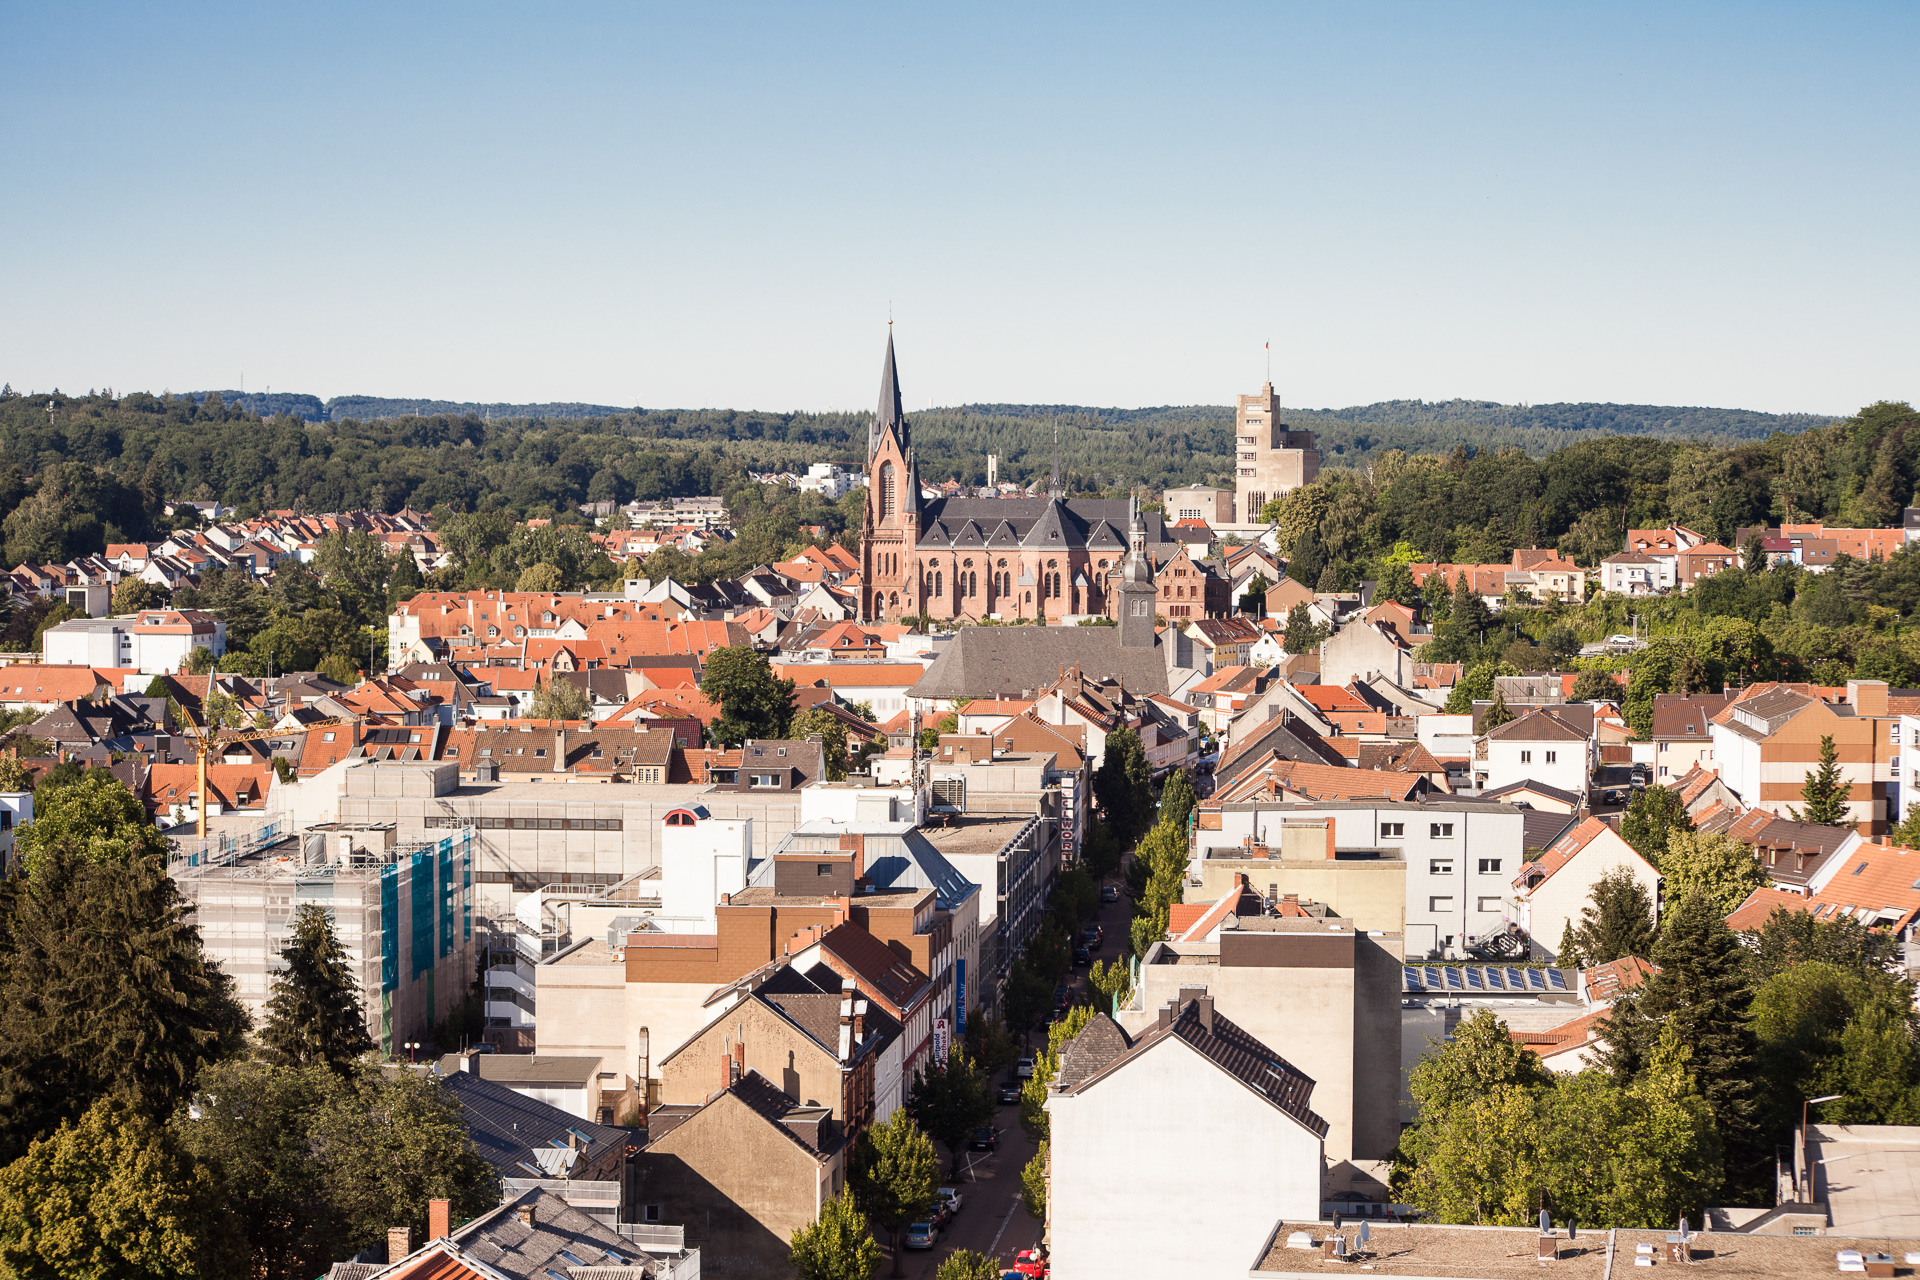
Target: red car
<point>1031,1262</point>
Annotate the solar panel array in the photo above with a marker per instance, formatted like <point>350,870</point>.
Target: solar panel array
<point>1472,978</point>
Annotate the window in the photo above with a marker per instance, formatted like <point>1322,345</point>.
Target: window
<point>1663,771</point>
<point>1489,905</point>
<point>1553,757</point>
<point>1440,903</point>
<point>326,737</point>
<point>1489,866</point>
<point>1440,867</point>
<point>823,868</point>
<point>651,1213</point>
<point>1526,757</point>
<point>1440,831</point>
<point>1392,830</point>
<point>539,751</point>
<point>763,780</point>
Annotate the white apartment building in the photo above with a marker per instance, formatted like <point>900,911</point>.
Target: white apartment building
<point>157,642</point>
<point>1461,857</point>
<point>1536,747</point>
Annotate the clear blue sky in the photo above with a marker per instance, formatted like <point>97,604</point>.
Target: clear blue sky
<point>705,204</point>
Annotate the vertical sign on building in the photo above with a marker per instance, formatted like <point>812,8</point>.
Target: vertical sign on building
<point>1069,810</point>
<point>942,1040</point>
<point>960,995</point>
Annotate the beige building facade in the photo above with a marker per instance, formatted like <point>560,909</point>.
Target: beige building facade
<point>1270,460</point>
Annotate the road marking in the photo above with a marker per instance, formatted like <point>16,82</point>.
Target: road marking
<point>994,1248</point>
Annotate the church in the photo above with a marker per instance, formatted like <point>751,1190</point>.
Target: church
<point>965,559</point>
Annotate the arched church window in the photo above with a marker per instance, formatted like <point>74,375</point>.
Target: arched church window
<point>886,488</point>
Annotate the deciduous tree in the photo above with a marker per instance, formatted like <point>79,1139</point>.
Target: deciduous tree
<point>1652,814</point>
<point>1033,1182</point>
<point>895,1176</point>
<point>949,1101</point>
<point>752,703</point>
<point>833,738</point>
<point>112,1195</point>
<point>836,1245</point>
<point>557,699</point>
<point>1708,863</point>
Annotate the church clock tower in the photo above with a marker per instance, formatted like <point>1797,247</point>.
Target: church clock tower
<point>890,525</point>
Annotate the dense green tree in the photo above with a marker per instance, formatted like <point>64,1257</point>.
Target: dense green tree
<point>1303,634</point>
<point>542,578</point>
<point>107,991</point>
<point>1823,795</point>
<point>112,1195</point>
<point>354,567</point>
<point>1788,938</point>
<point>1033,1182</point>
<point>318,1165</point>
<point>557,699</point>
<point>836,1245</point>
<point>1177,798</point>
<point>895,1175</point>
<point>1027,997</point>
<point>1396,584</point>
<point>1253,600</point>
<point>1618,920</point>
<point>314,1016</point>
<point>1122,785</point>
<point>1703,988</point>
<point>200,660</point>
<point>965,1264</point>
<point>135,594</point>
<point>1652,816</point>
<point>752,703</point>
<point>833,738</point>
<point>394,1142</point>
<point>1476,685</point>
<point>950,1100</point>
<point>1567,955</point>
<point>1712,864</point>
<point>1497,714</point>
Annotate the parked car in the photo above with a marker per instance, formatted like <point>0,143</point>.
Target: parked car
<point>1009,1090</point>
<point>1092,936</point>
<point>1024,1068</point>
<point>940,1214</point>
<point>1109,893</point>
<point>1082,957</point>
<point>951,1197</point>
<point>922,1235</point>
<point>1031,1263</point>
<point>985,1139</point>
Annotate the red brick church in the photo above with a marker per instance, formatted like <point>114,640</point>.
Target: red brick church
<point>1045,558</point>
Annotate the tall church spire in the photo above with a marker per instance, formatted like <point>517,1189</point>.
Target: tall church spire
<point>891,415</point>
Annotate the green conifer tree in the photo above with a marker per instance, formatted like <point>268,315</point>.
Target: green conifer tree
<point>314,1015</point>
<point>1824,794</point>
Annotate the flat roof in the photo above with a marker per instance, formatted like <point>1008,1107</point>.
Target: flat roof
<point>976,835</point>
<point>1476,1253</point>
<point>768,896</point>
<point>1452,804</point>
<point>525,1068</point>
<point>1869,1176</point>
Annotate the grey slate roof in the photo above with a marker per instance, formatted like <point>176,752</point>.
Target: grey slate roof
<point>1221,1041</point>
<point>502,1241</point>
<point>986,662</point>
<point>1098,1044</point>
<point>1041,522</point>
<point>508,1127</point>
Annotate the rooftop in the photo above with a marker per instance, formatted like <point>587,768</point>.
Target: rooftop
<point>1869,1176</point>
<point>971,835</point>
<point>1476,1253</point>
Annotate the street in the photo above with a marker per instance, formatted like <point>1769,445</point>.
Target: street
<point>992,1220</point>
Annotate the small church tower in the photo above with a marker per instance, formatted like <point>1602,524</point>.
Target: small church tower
<point>890,526</point>
<point>1137,593</point>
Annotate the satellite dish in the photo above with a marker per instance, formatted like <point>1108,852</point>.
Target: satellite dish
<point>1366,1232</point>
<point>1546,1223</point>
<point>1336,1222</point>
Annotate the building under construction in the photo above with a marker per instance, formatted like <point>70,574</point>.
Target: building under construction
<point>403,912</point>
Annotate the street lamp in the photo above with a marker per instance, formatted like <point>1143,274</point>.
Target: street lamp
<point>411,1046</point>
<point>1805,1153</point>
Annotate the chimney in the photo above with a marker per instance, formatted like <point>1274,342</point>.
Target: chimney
<point>1165,1018</point>
<point>399,1243</point>
<point>526,1213</point>
<point>847,1040</point>
<point>439,1219</point>
<point>1204,1006</point>
<point>738,1063</point>
<point>559,749</point>
<point>859,1021</point>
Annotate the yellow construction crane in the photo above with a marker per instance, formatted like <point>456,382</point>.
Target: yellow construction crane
<point>204,741</point>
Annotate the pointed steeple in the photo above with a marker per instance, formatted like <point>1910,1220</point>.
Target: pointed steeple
<point>891,415</point>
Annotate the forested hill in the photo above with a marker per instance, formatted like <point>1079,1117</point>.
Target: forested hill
<point>1104,448</point>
